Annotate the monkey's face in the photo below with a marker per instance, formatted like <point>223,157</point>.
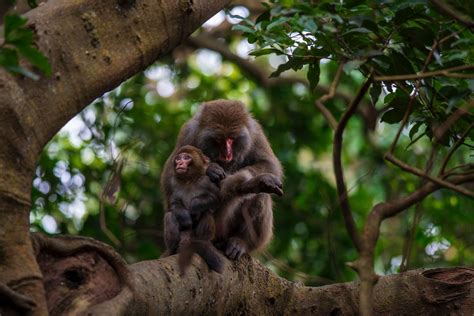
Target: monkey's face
<point>182,162</point>
<point>225,146</point>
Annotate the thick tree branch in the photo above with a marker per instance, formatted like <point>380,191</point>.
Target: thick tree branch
<point>110,287</point>
<point>89,59</point>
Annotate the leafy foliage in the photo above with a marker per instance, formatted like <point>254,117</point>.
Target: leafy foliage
<point>19,41</point>
<point>385,38</point>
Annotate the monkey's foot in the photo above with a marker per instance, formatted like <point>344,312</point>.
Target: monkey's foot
<point>235,248</point>
<point>17,299</point>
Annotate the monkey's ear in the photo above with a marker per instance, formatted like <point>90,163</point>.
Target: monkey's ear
<point>206,160</point>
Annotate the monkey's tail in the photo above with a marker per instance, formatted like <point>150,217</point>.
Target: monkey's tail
<point>206,250</point>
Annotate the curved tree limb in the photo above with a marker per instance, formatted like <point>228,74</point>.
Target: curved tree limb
<point>338,169</point>
<point>86,276</point>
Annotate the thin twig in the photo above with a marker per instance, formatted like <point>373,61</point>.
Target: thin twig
<point>448,72</point>
<point>319,103</point>
<point>454,148</point>
<point>327,114</point>
<point>338,170</point>
<point>443,128</point>
<point>446,9</point>
<point>392,208</point>
<point>420,173</point>
<point>418,213</point>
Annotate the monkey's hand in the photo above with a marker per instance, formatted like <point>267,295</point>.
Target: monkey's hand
<point>263,183</point>
<point>184,219</point>
<point>235,248</point>
<point>201,204</point>
<point>215,172</point>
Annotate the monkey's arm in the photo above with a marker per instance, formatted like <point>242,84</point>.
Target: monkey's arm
<point>171,234</point>
<point>206,201</point>
<point>260,172</point>
<point>263,183</point>
<point>166,182</point>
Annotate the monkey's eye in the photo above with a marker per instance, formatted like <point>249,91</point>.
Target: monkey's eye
<point>183,156</point>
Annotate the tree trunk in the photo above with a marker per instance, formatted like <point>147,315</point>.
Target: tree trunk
<point>92,46</point>
<point>87,277</point>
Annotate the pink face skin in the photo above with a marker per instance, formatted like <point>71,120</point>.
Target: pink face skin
<point>182,162</point>
<point>227,155</point>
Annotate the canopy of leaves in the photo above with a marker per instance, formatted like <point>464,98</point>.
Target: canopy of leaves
<point>109,157</point>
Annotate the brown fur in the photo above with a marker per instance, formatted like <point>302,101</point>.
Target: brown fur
<point>189,224</point>
<point>244,220</point>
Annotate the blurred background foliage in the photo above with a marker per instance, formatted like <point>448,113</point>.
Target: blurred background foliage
<point>108,159</point>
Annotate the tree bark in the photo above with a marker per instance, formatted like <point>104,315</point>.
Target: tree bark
<point>87,277</point>
<point>92,46</point>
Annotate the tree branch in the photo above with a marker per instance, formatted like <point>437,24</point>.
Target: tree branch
<point>420,173</point>
<point>338,169</point>
<point>392,208</point>
<point>89,59</point>
<point>458,143</point>
<point>445,9</point>
<point>443,72</point>
<point>319,103</point>
<point>155,287</point>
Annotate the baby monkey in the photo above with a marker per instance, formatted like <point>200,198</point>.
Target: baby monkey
<point>189,224</point>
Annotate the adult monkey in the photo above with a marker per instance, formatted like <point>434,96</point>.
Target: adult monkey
<point>244,165</point>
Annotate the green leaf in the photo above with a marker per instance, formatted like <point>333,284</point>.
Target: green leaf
<point>277,22</point>
<point>8,57</point>
<point>13,22</point>
<point>398,106</point>
<point>266,51</point>
<point>20,36</point>
<point>243,29</point>
<point>353,64</point>
<point>358,30</point>
<point>294,63</point>
<point>265,16</point>
<point>313,75</point>
<point>32,3</point>
<point>36,58</point>
<point>415,129</point>
<point>374,92</point>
